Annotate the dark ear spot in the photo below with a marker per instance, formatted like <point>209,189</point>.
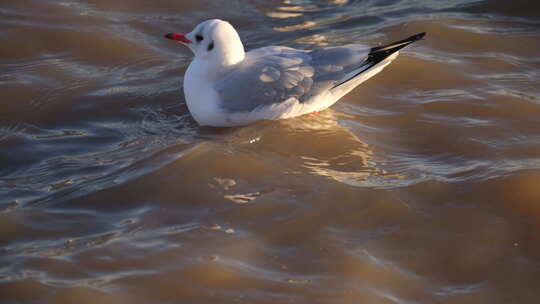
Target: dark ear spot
<point>211,46</point>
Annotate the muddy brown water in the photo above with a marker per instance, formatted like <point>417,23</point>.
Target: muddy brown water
<point>420,186</point>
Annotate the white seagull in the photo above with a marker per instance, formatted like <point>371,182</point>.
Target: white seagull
<point>225,86</point>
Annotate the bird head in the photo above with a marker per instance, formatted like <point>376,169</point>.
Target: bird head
<point>213,40</point>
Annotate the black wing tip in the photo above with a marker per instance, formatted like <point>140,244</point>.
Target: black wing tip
<point>416,37</point>
<point>399,44</point>
<point>379,53</point>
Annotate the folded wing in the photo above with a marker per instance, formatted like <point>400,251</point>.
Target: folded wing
<point>273,75</point>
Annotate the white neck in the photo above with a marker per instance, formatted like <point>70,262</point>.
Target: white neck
<point>206,71</point>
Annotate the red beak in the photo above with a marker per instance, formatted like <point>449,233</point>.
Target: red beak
<point>178,37</point>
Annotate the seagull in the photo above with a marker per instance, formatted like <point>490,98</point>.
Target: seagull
<point>226,86</point>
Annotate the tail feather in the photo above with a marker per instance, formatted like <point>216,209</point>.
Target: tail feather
<point>380,53</point>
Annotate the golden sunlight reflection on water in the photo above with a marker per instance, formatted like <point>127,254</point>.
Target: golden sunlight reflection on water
<point>420,186</point>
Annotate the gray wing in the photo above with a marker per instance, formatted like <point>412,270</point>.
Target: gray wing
<point>273,75</point>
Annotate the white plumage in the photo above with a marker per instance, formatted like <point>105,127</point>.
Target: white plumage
<point>225,86</point>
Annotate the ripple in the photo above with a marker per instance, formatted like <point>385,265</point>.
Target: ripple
<point>408,190</point>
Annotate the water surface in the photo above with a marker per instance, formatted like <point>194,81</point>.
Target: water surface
<point>420,186</point>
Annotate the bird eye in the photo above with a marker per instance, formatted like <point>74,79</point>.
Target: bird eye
<point>199,38</point>
<point>211,46</point>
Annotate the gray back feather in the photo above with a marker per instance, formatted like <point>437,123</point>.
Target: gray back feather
<point>272,75</point>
